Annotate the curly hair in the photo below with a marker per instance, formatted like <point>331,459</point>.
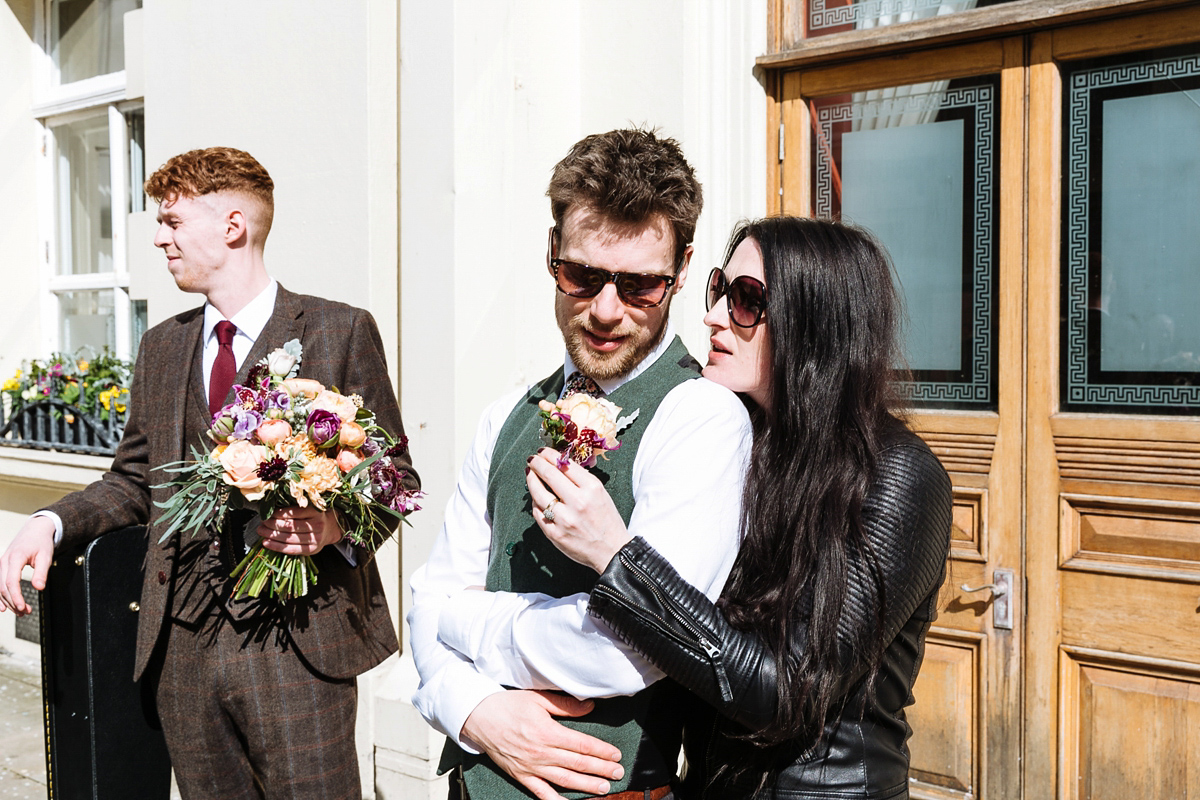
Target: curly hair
<point>629,175</point>
<point>216,169</point>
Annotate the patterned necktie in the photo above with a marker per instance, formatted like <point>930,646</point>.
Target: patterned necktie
<point>224,369</point>
<point>578,382</point>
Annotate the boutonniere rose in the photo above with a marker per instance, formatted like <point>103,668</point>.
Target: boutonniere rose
<point>582,428</point>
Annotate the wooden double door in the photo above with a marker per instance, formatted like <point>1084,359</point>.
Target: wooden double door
<point>1040,194</point>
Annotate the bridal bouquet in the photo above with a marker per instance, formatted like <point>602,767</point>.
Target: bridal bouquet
<point>285,442</point>
<point>581,427</point>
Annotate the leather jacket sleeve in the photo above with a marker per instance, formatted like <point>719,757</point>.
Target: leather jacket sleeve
<point>907,515</point>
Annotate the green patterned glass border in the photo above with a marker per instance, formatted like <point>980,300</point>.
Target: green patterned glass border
<point>1086,384</point>
<point>975,102</point>
<point>837,16</point>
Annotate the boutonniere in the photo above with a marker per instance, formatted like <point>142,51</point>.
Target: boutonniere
<point>581,427</point>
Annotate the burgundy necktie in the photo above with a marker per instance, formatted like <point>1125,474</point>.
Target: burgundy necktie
<point>224,369</point>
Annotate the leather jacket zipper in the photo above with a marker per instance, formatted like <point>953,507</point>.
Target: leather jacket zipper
<point>710,649</point>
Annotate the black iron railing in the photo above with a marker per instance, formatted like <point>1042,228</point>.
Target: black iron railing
<point>55,425</point>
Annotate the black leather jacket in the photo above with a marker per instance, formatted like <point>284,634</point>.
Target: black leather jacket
<point>907,516</point>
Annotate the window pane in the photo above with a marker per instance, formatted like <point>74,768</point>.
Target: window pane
<point>1131,273</point>
<point>84,201</point>
<point>87,320</point>
<point>87,37</point>
<point>136,122</point>
<point>836,16</point>
<point>917,165</point>
<point>138,325</point>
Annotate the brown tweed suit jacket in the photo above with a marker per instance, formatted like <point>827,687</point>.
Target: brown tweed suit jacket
<point>342,628</point>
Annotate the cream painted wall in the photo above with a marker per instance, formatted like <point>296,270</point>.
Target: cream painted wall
<point>20,140</point>
<point>309,89</point>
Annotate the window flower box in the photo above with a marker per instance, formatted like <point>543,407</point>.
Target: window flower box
<point>67,403</point>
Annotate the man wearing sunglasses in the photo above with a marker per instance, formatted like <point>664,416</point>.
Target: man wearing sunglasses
<point>625,206</point>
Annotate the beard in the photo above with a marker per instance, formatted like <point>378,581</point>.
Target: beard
<point>640,341</point>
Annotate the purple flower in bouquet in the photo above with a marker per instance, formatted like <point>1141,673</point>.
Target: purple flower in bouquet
<point>259,376</point>
<point>247,398</point>
<point>388,489</point>
<point>246,422</point>
<point>323,427</point>
<point>277,403</point>
<point>223,423</point>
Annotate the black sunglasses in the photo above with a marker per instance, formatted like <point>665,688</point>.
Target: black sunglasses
<point>746,297</point>
<point>636,289</point>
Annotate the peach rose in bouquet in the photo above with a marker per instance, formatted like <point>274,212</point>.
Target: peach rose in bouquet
<point>241,461</point>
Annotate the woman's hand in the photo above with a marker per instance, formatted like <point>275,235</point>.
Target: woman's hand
<point>585,525</point>
<point>518,730</point>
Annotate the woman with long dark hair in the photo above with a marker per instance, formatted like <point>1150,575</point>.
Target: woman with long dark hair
<point>808,660</point>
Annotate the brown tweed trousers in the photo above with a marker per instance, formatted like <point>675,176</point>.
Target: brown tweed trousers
<point>342,628</point>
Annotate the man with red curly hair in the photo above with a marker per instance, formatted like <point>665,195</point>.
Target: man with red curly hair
<point>256,698</point>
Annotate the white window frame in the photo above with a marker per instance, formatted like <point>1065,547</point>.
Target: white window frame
<point>57,104</point>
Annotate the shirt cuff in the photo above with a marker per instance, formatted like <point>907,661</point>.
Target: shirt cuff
<point>460,624</point>
<point>447,708</point>
<point>347,551</point>
<point>56,519</point>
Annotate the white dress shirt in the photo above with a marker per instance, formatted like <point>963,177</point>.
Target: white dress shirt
<point>687,484</point>
<point>250,322</point>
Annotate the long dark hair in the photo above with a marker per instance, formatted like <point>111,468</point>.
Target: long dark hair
<point>832,317</point>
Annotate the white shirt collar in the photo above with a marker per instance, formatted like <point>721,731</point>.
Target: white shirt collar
<point>611,385</point>
<point>251,320</point>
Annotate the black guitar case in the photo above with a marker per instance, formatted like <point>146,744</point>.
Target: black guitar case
<point>103,739</point>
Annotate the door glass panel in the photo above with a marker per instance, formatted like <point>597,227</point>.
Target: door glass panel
<point>836,16</point>
<point>1131,245</point>
<point>918,166</point>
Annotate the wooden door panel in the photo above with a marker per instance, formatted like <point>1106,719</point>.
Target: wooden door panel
<point>967,541</point>
<point>1152,538</point>
<point>946,734</point>
<point>1142,616</point>
<point>1130,728</point>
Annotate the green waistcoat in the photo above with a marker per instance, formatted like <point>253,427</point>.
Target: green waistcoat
<point>523,560</point>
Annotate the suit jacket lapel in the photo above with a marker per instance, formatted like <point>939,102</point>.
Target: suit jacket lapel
<point>183,348</point>
<point>284,325</point>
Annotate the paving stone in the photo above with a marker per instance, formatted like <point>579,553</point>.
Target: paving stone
<point>22,743</point>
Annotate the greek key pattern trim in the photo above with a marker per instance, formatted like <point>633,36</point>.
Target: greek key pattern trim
<point>1078,202</point>
<point>982,99</point>
<point>821,17</point>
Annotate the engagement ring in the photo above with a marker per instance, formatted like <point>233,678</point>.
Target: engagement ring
<point>548,511</point>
